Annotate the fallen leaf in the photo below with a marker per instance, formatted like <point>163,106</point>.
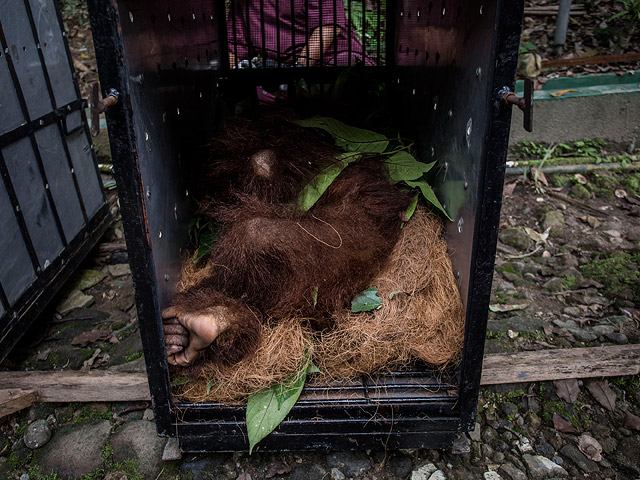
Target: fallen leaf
<point>85,338</point>
<point>547,329</point>
<point>620,193</point>
<point>593,221</point>
<point>497,307</point>
<point>631,421</point>
<point>567,390</point>
<point>560,93</point>
<point>511,334</point>
<point>546,254</point>
<point>537,237</point>
<point>561,424</point>
<point>580,178</point>
<point>509,188</point>
<point>539,176</point>
<point>602,393</point>
<point>88,363</point>
<point>590,447</point>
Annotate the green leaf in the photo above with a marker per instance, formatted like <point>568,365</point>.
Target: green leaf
<point>428,193</point>
<point>394,293</point>
<point>351,139</point>
<point>412,207</point>
<point>314,295</point>
<point>313,369</point>
<point>206,240</point>
<point>266,409</point>
<point>366,301</point>
<point>316,187</point>
<point>209,385</point>
<point>508,308</point>
<point>404,166</point>
<point>176,382</point>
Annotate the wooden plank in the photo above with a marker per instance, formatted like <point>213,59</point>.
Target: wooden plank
<point>560,364</point>
<point>77,386</point>
<point>595,60</point>
<point>15,399</point>
<point>541,365</point>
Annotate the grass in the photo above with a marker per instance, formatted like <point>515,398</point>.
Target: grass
<point>618,272</point>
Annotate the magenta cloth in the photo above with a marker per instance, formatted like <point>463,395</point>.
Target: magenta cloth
<point>254,30</point>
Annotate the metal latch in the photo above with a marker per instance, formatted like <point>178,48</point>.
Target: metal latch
<point>99,106</point>
<point>507,97</point>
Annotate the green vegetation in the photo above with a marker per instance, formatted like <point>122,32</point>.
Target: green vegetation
<point>619,272</point>
<point>88,413</point>
<point>132,357</point>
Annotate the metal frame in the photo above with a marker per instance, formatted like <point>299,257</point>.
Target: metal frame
<point>66,120</point>
<point>153,133</point>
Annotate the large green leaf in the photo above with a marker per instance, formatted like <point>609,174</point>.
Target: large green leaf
<point>429,194</point>
<point>403,166</point>
<point>316,187</point>
<point>351,139</point>
<point>207,240</point>
<point>411,209</point>
<point>366,301</point>
<point>266,409</point>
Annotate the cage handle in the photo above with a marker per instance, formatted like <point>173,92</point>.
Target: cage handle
<point>507,97</point>
<point>99,106</point>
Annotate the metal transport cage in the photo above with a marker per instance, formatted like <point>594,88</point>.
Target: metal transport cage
<point>444,65</point>
<point>52,205</point>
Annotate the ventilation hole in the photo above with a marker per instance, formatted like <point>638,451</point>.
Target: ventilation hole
<point>416,52</point>
<point>437,57</point>
<point>182,21</point>
<point>430,6</point>
<point>409,15</point>
<point>204,17</point>
<point>453,63</point>
<point>175,66</point>
<point>24,49</point>
<point>459,11</point>
<point>198,57</point>
<point>400,48</point>
<point>215,53</point>
<point>153,18</point>
<point>45,44</point>
<point>418,14</point>
<point>407,51</point>
<point>426,56</point>
<point>186,62</point>
<point>159,68</point>
<point>206,53</point>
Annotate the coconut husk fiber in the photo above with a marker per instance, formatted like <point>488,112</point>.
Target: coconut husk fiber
<point>423,320</point>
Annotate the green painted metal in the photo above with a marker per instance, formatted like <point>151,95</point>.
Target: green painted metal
<point>585,86</point>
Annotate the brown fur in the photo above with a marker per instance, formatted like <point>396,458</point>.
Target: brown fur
<point>272,256</point>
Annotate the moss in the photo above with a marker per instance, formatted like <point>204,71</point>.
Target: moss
<point>632,184</point>
<point>132,357</point>
<point>560,180</point>
<point>604,193</point>
<point>570,282</point>
<point>580,192</point>
<point>117,326</point>
<point>35,473</point>
<point>16,460</point>
<point>506,267</point>
<point>127,469</point>
<point>88,413</point>
<point>619,272</point>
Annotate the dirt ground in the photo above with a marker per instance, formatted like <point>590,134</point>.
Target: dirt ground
<point>567,275</point>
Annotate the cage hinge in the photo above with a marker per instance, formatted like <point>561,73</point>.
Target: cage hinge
<point>99,105</point>
<point>507,97</point>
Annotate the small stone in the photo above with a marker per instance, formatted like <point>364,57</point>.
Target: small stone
<point>148,415</point>
<point>514,237</point>
<point>580,192</point>
<point>492,476</point>
<point>400,465</point>
<point>509,409</point>
<point>498,458</point>
<point>337,474</point>
<point>119,270</point>
<point>576,456</point>
<point>510,472</point>
<point>603,329</point>
<point>37,434</point>
<point>351,464</point>
<point>558,460</point>
<point>489,434</point>
<point>172,450</point>
<point>460,444</point>
<point>75,300</point>
<point>626,455</point>
<point>438,475</point>
<point>572,311</point>
<point>617,337</point>
<point>474,435</point>
<point>541,468</point>
<point>555,284</point>
<point>553,220</point>
<point>584,334</point>
<point>87,279</point>
<point>533,405</point>
<point>24,476</point>
<point>545,449</point>
<point>423,472</point>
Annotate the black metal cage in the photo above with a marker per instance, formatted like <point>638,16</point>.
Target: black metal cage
<point>442,63</point>
<point>52,205</point>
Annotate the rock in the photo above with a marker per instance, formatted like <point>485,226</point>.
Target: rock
<point>5,469</point>
<point>617,337</point>
<point>309,472</point>
<point>580,192</point>
<point>37,434</point>
<point>555,284</point>
<point>492,476</point>
<point>203,467</point>
<point>540,467</point>
<point>148,415</point>
<point>572,311</point>
<point>516,323</point>
<point>75,450</point>
<point>569,260</point>
<point>423,472</point>
<point>139,440</point>
<point>509,472</point>
<point>438,475</point>
<point>545,449</point>
<point>572,452</point>
<point>351,464</point>
<point>514,237</point>
<point>509,409</point>
<point>87,278</point>
<point>554,220</point>
<point>400,465</point>
<point>603,329</point>
<point>584,334</point>
<point>489,434</point>
<point>119,270</point>
<point>626,455</point>
<point>74,300</point>
<point>460,444</point>
<point>474,435</point>
<point>172,450</point>
<point>337,474</point>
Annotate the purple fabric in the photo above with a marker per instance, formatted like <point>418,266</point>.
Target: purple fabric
<point>254,30</point>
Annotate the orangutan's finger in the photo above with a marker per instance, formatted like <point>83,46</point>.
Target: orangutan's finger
<point>180,340</point>
<point>174,330</point>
